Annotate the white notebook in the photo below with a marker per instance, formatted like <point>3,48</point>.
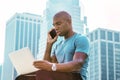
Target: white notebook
<point>23,60</point>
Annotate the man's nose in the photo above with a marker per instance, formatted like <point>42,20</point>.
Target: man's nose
<point>56,27</point>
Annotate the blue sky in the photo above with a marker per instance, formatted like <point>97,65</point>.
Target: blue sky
<point>100,13</point>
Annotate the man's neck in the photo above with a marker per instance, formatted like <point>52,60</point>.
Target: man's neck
<point>69,34</point>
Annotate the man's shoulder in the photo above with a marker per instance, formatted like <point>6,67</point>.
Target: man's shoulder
<point>81,36</point>
<point>82,39</point>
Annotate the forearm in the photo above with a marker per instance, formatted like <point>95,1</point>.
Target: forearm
<point>47,55</point>
<point>69,66</point>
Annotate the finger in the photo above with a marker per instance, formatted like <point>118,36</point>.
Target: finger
<point>37,62</point>
<point>49,36</point>
<point>37,67</point>
<point>55,38</point>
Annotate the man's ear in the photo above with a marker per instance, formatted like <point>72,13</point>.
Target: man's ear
<point>69,21</point>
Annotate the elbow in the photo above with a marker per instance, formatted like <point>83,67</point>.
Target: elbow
<point>78,66</point>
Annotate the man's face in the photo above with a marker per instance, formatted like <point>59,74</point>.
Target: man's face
<point>61,25</point>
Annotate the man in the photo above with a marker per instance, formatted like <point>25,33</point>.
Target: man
<point>69,58</point>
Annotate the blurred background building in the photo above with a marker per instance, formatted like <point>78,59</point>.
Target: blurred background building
<point>22,30</point>
<point>104,55</point>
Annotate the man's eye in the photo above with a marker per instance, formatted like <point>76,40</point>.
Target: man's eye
<point>58,23</point>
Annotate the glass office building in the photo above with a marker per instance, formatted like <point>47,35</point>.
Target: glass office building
<point>22,30</point>
<point>104,55</point>
<point>52,7</point>
<point>71,6</point>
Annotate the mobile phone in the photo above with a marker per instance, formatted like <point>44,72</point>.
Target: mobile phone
<point>53,33</point>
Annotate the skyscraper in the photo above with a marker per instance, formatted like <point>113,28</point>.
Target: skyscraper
<point>71,6</point>
<point>22,30</point>
<point>104,55</point>
<point>54,6</point>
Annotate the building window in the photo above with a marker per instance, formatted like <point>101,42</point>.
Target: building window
<point>91,37</point>
<point>38,20</point>
<point>21,34</point>
<point>26,34</point>
<point>109,36</point>
<point>30,33</point>
<point>96,35</point>
<point>111,61</point>
<point>17,34</point>
<point>34,20</point>
<point>116,37</point>
<point>22,17</point>
<point>18,17</point>
<point>34,38</point>
<point>30,19</point>
<point>117,46</point>
<point>26,18</point>
<point>103,61</point>
<point>102,34</point>
<point>38,34</point>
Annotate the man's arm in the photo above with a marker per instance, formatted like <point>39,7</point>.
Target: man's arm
<point>47,52</point>
<point>47,55</point>
<point>75,65</point>
<point>50,42</point>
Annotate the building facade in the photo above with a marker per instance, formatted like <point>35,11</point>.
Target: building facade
<point>22,30</point>
<point>54,6</point>
<point>71,6</point>
<point>104,55</point>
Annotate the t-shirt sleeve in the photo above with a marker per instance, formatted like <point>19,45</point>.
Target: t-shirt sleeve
<point>82,44</point>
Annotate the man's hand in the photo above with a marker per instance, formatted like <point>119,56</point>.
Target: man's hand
<point>49,38</point>
<point>43,65</point>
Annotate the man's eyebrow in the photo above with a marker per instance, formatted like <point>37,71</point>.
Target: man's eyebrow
<point>57,22</point>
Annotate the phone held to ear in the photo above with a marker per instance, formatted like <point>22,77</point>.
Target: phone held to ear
<point>53,33</point>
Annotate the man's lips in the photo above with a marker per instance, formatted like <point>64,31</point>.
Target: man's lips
<point>58,32</point>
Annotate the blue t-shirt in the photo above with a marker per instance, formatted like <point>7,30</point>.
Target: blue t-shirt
<point>64,51</point>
